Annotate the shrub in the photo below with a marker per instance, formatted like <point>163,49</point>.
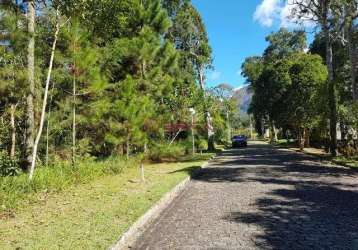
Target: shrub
<point>165,152</point>
<point>201,144</point>
<point>8,166</point>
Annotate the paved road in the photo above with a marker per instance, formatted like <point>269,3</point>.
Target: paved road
<point>261,198</point>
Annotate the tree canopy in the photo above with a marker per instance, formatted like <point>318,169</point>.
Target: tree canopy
<point>121,71</point>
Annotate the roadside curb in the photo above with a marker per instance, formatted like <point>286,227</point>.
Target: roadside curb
<point>143,223</point>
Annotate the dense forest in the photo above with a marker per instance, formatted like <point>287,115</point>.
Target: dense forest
<point>310,92</point>
<point>100,78</point>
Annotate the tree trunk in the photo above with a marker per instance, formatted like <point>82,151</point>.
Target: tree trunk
<point>332,103</point>
<point>145,148</point>
<point>306,138</point>
<point>327,141</point>
<point>48,126</point>
<point>127,147</point>
<point>287,135</point>
<point>300,139</point>
<point>30,121</point>
<point>13,131</point>
<point>120,149</point>
<point>192,134</point>
<point>44,103</point>
<point>228,127</point>
<point>343,129</point>
<point>142,172</point>
<point>251,128</point>
<point>330,82</point>
<point>352,58</point>
<point>74,119</point>
<point>210,132</point>
<point>211,144</point>
<point>47,139</point>
<point>273,134</point>
<point>201,79</point>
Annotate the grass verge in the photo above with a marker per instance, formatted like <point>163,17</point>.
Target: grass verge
<point>90,215</point>
<point>350,162</point>
<point>285,143</point>
<point>347,162</point>
<point>17,191</point>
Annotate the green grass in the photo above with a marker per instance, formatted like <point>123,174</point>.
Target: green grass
<point>15,190</point>
<point>348,162</point>
<point>351,162</point>
<point>92,213</point>
<point>285,143</point>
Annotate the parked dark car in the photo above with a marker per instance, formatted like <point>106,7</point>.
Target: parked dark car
<point>239,141</point>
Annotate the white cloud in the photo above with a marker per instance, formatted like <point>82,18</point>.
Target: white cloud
<point>285,15</point>
<point>270,11</point>
<point>267,12</point>
<point>289,21</point>
<point>215,75</point>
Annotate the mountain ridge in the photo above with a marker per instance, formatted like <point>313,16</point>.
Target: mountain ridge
<point>243,96</point>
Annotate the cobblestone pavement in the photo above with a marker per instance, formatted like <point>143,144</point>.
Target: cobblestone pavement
<point>261,197</point>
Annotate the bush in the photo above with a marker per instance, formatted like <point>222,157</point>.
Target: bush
<point>8,166</point>
<point>165,152</point>
<point>201,144</point>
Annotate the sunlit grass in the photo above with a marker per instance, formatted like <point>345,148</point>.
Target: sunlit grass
<point>91,214</point>
<point>15,189</point>
<point>351,162</point>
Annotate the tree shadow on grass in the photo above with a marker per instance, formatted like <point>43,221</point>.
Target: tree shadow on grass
<point>197,157</point>
<point>192,170</point>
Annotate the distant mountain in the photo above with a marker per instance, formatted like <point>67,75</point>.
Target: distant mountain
<point>243,96</point>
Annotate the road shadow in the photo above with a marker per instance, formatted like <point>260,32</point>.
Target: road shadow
<point>309,216</point>
<point>240,164</point>
<point>306,206</point>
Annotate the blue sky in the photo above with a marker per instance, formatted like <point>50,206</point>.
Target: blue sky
<point>237,29</point>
